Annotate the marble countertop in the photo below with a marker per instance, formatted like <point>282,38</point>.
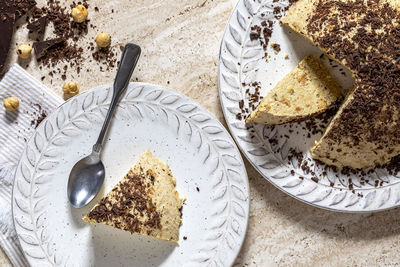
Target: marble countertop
<point>180,43</point>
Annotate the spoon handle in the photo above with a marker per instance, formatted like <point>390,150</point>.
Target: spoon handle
<point>129,58</point>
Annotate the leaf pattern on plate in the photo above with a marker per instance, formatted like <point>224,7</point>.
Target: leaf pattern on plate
<point>230,65</point>
<point>239,62</point>
<point>228,221</point>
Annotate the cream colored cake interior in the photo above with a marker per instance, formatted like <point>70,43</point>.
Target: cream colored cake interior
<point>307,90</point>
<point>144,202</point>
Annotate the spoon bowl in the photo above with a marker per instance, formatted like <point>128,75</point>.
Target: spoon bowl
<point>85,180</point>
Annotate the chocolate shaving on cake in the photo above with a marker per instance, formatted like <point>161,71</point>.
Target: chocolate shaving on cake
<point>367,44</point>
<point>131,196</point>
<point>375,71</point>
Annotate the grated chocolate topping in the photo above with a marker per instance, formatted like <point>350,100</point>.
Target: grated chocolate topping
<point>131,207</point>
<point>365,37</point>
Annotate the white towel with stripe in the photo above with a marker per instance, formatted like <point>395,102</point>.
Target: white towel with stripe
<point>15,128</point>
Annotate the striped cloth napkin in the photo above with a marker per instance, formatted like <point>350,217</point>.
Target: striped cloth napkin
<point>15,128</point>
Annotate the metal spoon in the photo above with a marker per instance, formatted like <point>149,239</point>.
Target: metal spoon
<point>87,175</point>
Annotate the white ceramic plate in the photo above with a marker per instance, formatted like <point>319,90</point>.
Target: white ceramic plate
<point>202,156</point>
<point>242,61</point>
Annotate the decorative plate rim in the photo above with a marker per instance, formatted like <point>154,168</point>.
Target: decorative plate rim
<point>238,24</point>
<point>172,97</point>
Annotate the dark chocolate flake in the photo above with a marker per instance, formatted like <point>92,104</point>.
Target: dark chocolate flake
<point>42,47</point>
<point>38,26</point>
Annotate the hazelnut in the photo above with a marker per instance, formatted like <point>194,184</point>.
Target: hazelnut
<point>24,51</point>
<point>79,13</point>
<point>70,89</point>
<point>11,103</point>
<point>103,39</point>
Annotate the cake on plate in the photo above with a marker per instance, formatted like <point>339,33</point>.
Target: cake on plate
<point>364,36</point>
<point>307,90</point>
<point>144,202</point>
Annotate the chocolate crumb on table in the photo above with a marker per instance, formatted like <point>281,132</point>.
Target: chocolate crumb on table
<point>105,55</point>
<point>38,26</point>
<point>22,7</point>
<point>39,115</point>
<point>69,53</point>
<point>42,47</point>
<point>35,123</point>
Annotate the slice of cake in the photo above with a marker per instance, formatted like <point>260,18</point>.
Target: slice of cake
<point>364,36</point>
<point>307,90</point>
<point>144,202</point>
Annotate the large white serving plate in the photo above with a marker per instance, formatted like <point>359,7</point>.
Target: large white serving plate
<point>242,62</point>
<point>204,159</point>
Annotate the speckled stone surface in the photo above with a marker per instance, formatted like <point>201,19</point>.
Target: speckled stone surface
<point>180,42</point>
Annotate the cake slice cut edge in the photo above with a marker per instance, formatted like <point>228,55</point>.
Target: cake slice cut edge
<point>144,202</point>
<point>306,91</point>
